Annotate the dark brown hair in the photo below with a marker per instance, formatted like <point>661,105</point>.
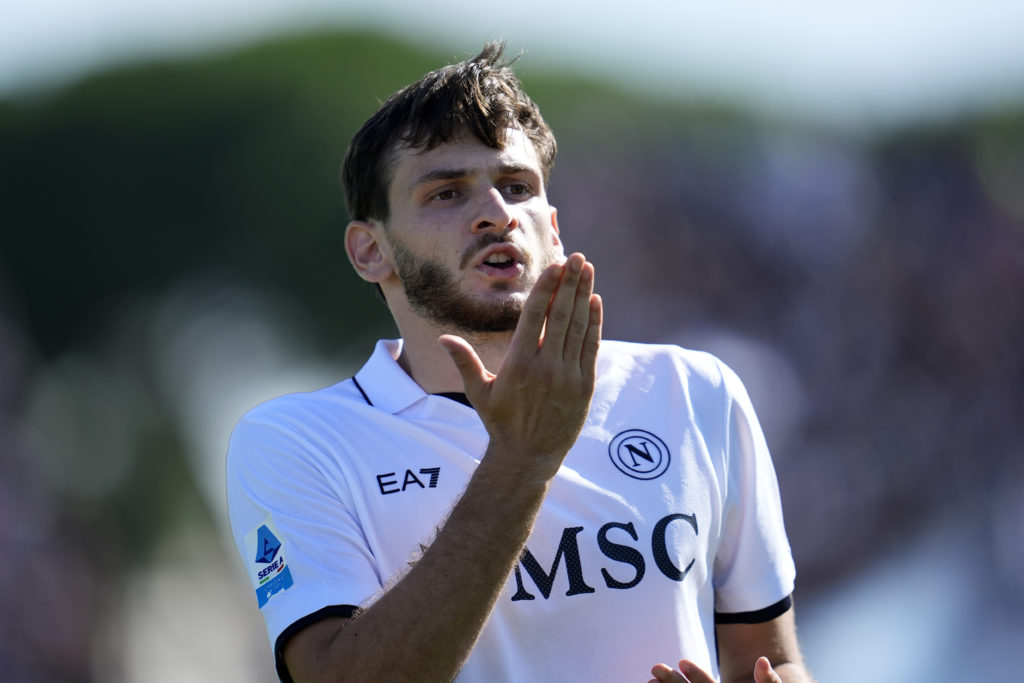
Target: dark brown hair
<point>481,95</point>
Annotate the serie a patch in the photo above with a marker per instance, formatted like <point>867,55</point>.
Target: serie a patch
<point>267,565</point>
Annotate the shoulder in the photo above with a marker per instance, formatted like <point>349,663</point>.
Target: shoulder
<point>306,405</point>
<point>667,370</point>
<point>690,365</point>
<point>294,423</point>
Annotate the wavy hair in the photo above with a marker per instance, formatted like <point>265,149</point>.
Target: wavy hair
<point>481,95</point>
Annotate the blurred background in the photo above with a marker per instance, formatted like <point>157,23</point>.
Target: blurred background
<point>830,199</point>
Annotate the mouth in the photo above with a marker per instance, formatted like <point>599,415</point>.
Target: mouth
<point>501,261</point>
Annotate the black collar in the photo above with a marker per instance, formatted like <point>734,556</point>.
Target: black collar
<point>456,396</point>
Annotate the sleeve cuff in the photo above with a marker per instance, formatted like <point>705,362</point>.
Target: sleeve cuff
<point>758,616</point>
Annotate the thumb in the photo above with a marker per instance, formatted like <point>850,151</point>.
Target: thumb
<point>467,362</point>
<point>764,673</point>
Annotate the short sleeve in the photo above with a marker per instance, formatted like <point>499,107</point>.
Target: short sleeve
<point>298,539</point>
<point>753,567</point>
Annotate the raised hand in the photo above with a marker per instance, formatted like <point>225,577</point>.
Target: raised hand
<point>537,403</point>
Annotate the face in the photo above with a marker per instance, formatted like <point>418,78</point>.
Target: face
<point>470,231</point>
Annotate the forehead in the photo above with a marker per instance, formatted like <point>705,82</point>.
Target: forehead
<point>464,154</point>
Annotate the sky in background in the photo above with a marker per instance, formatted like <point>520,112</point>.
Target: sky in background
<point>846,61</point>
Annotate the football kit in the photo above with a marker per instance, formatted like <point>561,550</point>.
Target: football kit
<point>664,518</point>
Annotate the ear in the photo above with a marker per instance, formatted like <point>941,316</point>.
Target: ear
<point>363,244</point>
<point>555,238</point>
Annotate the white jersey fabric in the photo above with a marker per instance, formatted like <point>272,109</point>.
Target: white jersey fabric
<point>664,512</point>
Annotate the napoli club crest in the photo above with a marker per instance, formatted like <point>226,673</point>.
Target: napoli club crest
<point>639,454</point>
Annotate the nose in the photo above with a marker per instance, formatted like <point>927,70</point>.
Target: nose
<point>493,214</point>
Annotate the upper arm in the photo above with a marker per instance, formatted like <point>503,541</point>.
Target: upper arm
<point>740,645</point>
<point>304,654</point>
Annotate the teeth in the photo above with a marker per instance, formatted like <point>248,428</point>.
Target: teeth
<point>499,258</point>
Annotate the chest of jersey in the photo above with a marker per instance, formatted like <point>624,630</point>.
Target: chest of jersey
<point>633,506</point>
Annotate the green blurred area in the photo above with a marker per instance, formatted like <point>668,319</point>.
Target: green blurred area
<point>130,179</point>
<point>883,270</point>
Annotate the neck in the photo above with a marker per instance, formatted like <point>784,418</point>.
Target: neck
<point>427,362</point>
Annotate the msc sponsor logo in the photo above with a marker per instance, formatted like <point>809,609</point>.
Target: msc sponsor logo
<point>639,454</point>
<point>628,565</point>
<point>270,572</point>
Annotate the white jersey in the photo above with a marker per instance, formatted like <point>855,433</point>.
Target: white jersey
<point>665,512</point>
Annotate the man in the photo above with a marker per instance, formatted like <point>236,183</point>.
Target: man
<point>499,495</point>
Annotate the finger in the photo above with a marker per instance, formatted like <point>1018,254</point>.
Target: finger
<point>579,323</point>
<point>664,674</point>
<point>764,673</point>
<point>467,362</point>
<point>694,673</point>
<point>592,341</point>
<point>560,312</point>
<point>528,332</point>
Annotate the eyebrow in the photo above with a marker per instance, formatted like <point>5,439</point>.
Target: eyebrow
<point>455,173</point>
<point>440,174</point>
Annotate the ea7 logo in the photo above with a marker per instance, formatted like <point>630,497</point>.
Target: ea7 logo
<point>388,482</point>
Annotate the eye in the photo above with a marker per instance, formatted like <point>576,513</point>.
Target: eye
<point>517,189</point>
<point>445,195</point>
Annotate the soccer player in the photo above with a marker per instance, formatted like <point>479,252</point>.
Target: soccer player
<point>500,495</point>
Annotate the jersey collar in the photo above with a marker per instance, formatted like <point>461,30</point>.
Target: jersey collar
<point>385,382</point>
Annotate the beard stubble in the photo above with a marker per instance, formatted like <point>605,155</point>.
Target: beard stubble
<point>431,290</point>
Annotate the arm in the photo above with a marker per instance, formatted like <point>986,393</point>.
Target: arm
<point>425,626</point>
<point>763,653</point>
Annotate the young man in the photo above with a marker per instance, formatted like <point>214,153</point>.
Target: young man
<point>499,495</point>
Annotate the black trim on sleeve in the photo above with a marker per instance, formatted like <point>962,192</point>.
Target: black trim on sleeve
<point>757,617</point>
<point>347,611</point>
<point>365,397</point>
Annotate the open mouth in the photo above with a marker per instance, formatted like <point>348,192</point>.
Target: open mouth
<point>500,261</point>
